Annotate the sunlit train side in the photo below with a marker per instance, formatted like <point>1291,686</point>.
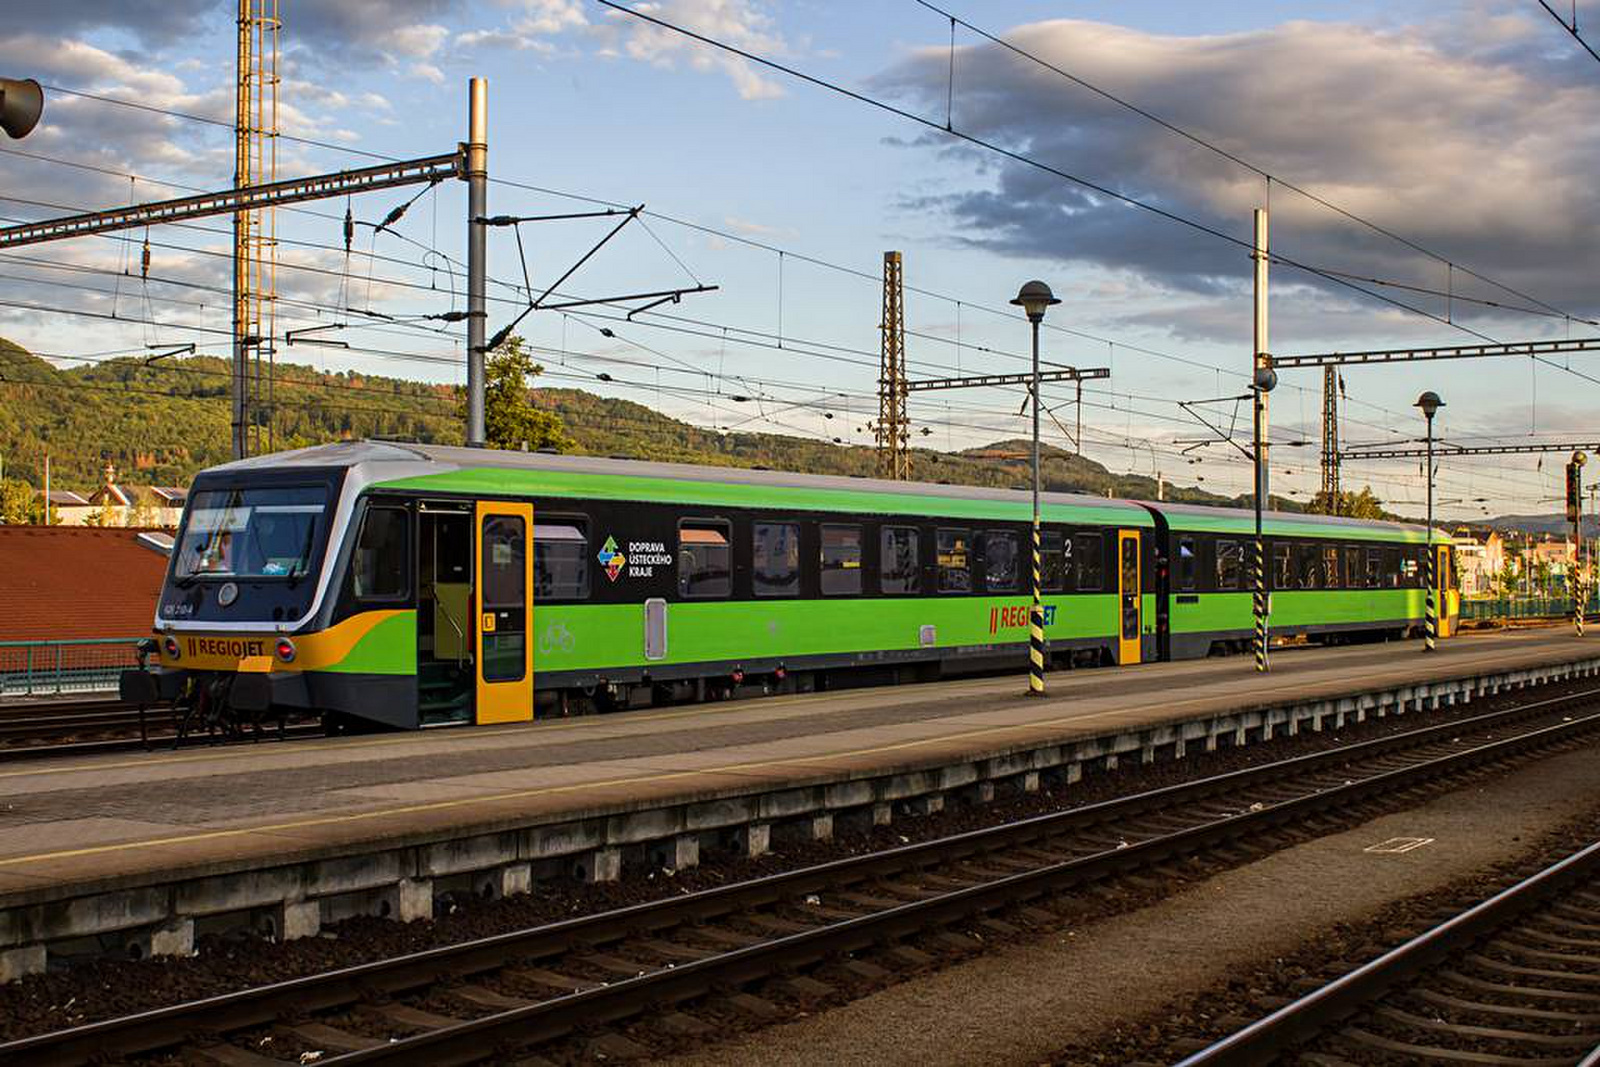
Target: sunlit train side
<point>411,585</point>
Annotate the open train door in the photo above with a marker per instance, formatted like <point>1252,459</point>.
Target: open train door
<point>1130,600</point>
<point>503,553</point>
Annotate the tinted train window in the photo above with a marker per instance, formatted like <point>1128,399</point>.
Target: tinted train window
<point>955,562</point>
<point>560,559</point>
<point>382,563</point>
<point>1391,568</point>
<point>1282,568</point>
<point>1230,565</point>
<point>841,560</point>
<point>1055,558</point>
<point>704,563</point>
<point>901,572</point>
<point>777,559</point>
<point>1305,566</point>
<point>1088,563</point>
<point>1000,561</point>
<point>503,592</point>
<point>1374,569</point>
<point>1352,567</point>
<point>1330,567</point>
<point>1188,564</point>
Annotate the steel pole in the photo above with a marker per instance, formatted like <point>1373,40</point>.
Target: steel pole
<point>1261,362</point>
<point>1431,622</point>
<point>1036,614</point>
<point>477,252</point>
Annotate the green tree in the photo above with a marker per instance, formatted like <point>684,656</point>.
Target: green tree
<point>19,504</point>
<point>1362,505</point>
<point>510,418</point>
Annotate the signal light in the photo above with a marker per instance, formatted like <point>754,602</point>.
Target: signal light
<point>171,647</point>
<point>285,650</point>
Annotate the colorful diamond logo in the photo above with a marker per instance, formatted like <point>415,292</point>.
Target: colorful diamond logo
<point>612,559</point>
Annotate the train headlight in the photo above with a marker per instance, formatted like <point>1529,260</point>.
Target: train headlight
<point>170,645</point>
<point>285,650</point>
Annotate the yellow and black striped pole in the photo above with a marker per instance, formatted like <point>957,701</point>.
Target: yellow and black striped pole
<point>1261,605</point>
<point>1033,298</point>
<point>1430,624</point>
<point>1430,404</point>
<point>1036,624</point>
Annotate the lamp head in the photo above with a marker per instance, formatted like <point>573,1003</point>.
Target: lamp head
<point>21,104</point>
<point>1033,298</point>
<point>1265,378</point>
<point>1429,402</point>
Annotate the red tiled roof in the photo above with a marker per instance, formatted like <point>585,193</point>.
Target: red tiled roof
<point>76,582</point>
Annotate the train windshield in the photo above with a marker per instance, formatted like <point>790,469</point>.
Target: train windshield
<point>264,532</point>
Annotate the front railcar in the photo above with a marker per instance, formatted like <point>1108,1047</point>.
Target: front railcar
<point>250,627</point>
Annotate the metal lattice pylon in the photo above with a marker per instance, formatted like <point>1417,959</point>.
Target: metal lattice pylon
<point>893,426</point>
<point>1330,439</point>
<point>255,238</point>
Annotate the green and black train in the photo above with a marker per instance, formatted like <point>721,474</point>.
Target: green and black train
<point>414,585</point>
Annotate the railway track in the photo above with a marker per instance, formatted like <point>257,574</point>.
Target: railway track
<point>1513,980</point>
<point>80,727</point>
<point>790,935</point>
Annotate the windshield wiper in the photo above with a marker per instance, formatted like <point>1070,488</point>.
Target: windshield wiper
<point>302,565</point>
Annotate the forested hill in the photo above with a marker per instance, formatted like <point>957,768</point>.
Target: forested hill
<point>160,423</point>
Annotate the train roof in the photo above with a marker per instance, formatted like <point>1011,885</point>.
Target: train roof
<point>492,472</point>
<point>1203,519</point>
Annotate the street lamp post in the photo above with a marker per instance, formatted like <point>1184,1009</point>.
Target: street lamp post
<point>1430,403</point>
<point>1033,298</point>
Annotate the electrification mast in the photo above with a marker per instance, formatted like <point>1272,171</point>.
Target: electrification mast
<point>1330,439</point>
<point>255,238</point>
<point>893,426</point>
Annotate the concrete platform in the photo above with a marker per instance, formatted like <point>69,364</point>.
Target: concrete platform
<point>139,849</point>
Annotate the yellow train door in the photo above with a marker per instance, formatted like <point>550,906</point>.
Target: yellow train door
<point>503,558</point>
<point>1129,599</point>
<point>1445,589</point>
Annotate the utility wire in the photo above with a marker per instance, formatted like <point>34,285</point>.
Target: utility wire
<point>1246,164</point>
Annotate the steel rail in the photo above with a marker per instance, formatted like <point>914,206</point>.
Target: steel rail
<point>479,1039</point>
<point>1316,1011</point>
<point>166,1027</point>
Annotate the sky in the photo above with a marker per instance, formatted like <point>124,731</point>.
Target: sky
<point>1447,142</point>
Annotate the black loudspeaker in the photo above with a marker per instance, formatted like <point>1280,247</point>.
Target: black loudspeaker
<point>21,104</point>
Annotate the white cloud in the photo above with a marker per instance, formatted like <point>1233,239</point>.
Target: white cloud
<point>1462,134</point>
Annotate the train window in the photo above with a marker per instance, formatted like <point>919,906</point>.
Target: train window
<point>1410,571</point>
<point>1230,564</point>
<point>560,558</point>
<point>503,593</point>
<point>1055,557</point>
<point>1305,566</point>
<point>955,562</point>
<point>1282,567</point>
<point>899,561</point>
<point>1391,568</point>
<point>1188,563</point>
<point>841,560</point>
<point>1330,567</point>
<point>381,563</point>
<point>1089,563</point>
<point>1352,567</point>
<point>1374,569</point>
<point>777,559</point>
<point>705,567</point>
<point>1000,561</point>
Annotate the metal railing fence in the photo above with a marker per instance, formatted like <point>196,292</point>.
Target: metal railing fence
<point>46,668</point>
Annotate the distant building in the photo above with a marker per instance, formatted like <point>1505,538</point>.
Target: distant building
<point>121,505</point>
<point>75,582</point>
